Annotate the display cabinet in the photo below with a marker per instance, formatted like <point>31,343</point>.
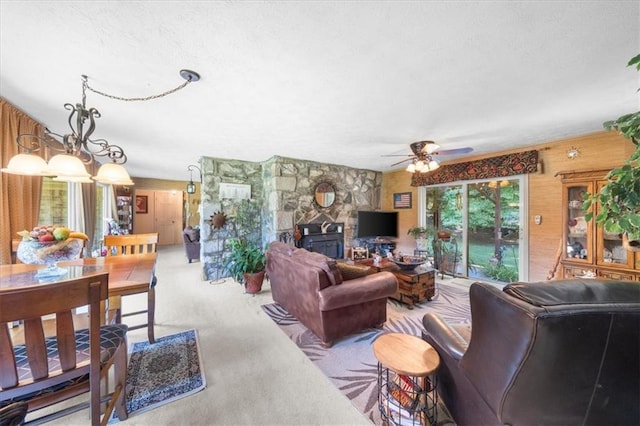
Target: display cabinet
<point>588,251</point>
<point>125,213</point>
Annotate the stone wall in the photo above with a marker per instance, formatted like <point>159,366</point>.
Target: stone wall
<point>282,193</point>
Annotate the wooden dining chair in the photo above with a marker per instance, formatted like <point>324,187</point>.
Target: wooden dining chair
<point>123,245</point>
<point>48,365</point>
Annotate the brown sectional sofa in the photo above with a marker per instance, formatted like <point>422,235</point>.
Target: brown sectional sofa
<point>311,287</point>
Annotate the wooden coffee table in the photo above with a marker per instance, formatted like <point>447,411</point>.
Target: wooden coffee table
<point>414,286</point>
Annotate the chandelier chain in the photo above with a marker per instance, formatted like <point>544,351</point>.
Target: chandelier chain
<point>147,98</point>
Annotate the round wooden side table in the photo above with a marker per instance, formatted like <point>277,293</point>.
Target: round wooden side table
<point>407,383</point>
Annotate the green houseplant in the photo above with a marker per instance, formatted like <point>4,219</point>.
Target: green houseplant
<point>246,263</point>
<point>422,235</point>
<point>618,201</point>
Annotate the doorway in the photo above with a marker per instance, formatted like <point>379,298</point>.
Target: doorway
<point>487,220</point>
<point>161,212</point>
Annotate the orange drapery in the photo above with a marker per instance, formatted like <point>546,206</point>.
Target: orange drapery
<point>19,195</point>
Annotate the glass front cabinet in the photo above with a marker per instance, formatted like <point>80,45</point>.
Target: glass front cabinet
<point>588,251</point>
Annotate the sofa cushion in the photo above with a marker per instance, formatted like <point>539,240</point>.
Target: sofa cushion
<point>321,261</point>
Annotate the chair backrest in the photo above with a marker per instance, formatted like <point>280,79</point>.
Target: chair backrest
<point>558,352</point>
<point>29,304</point>
<point>118,245</point>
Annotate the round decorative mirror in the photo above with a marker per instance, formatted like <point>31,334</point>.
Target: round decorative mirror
<point>324,194</point>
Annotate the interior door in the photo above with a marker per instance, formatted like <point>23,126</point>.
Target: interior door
<point>168,215</point>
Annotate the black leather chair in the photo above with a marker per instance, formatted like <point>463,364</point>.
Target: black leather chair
<point>553,353</point>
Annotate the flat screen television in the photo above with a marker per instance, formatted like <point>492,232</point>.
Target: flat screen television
<point>377,224</point>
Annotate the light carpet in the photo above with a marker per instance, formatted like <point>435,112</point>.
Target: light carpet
<point>162,372</point>
<point>350,363</point>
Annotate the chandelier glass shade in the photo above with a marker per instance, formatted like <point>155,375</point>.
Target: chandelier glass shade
<point>114,174</point>
<point>26,164</point>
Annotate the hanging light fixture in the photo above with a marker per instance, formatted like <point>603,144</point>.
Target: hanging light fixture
<point>191,187</point>
<point>423,162</point>
<point>77,149</point>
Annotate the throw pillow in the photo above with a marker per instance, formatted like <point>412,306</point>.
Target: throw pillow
<point>351,271</point>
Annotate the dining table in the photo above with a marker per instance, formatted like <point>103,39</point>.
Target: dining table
<point>131,274</point>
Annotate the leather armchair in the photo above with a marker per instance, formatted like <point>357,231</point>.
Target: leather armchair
<point>552,353</point>
<point>191,241</point>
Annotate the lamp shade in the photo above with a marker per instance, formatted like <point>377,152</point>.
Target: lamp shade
<point>433,164</point>
<point>113,174</point>
<point>26,164</point>
<point>68,168</point>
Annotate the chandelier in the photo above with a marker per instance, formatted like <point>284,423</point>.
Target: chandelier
<point>76,150</point>
<point>191,187</point>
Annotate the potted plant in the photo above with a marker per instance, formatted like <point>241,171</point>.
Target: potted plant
<point>618,201</point>
<point>422,236</point>
<point>246,264</point>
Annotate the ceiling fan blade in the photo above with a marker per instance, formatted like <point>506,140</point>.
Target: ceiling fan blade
<point>396,155</point>
<point>453,151</point>
<point>400,162</point>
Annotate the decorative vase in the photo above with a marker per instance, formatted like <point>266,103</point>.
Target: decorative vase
<point>35,252</point>
<point>631,245</point>
<point>253,282</point>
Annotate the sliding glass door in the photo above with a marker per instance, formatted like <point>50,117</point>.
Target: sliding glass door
<point>486,218</point>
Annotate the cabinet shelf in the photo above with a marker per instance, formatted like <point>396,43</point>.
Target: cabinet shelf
<point>593,253</point>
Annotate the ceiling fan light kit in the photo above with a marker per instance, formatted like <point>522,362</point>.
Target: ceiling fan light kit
<point>422,159</point>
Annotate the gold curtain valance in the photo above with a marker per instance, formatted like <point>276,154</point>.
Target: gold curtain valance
<point>488,168</point>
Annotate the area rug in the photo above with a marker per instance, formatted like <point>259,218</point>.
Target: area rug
<point>350,363</point>
<point>162,372</point>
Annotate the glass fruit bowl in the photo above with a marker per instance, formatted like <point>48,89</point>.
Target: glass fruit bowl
<point>49,253</point>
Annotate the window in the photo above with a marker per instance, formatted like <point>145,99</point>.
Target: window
<point>59,199</point>
<point>487,219</point>
<point>53,203</point>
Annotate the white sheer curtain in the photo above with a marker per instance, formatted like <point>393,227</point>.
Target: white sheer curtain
<point>75,214</point>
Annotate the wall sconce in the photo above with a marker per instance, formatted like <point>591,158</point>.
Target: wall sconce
<point>191,187</point>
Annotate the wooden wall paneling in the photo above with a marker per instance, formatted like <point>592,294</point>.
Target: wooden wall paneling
<point>597,151</point>
<point>400,181</point>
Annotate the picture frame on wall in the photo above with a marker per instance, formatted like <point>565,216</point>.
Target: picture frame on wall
<point>402,200</point>
<point>142,205</point>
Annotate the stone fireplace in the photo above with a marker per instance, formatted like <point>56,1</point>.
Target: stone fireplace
<point>281,198</point>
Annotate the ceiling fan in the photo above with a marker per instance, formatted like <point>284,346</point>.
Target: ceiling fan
<point>422,159</point>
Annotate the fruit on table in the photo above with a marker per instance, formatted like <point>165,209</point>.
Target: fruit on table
<point>61,234</point>
<point>45,238</point>
<point>48,233</point>
<point>80,235</point>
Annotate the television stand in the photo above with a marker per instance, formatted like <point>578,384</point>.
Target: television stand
<point>380,245</point>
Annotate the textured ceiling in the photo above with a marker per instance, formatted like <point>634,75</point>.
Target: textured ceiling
<point>335,82</point>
